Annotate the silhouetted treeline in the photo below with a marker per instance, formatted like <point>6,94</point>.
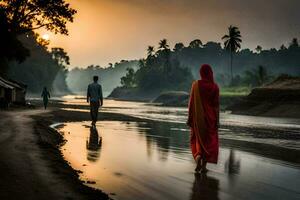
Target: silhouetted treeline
<point>18,43</point>
<point>276,61</point>
<point>79,78</point>
<point>167,69</point>
<point>41,68</point>
<point>159,72</point>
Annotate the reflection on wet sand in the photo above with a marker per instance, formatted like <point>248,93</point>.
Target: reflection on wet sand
<point>93,145</point>
<point>205,187</point>
<point>152,161</point>
<point>232,167</point>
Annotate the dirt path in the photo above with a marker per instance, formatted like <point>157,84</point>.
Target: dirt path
<point>24,171</point>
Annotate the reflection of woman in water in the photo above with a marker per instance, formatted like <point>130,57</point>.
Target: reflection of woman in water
<point>205,187</point>
<point>46,97</point>
<point>204,119</point>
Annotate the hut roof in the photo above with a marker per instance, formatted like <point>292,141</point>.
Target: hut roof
<point>5,85</point>
<point>10,84</point>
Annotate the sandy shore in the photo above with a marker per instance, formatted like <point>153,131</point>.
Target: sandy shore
<point>31,165</point>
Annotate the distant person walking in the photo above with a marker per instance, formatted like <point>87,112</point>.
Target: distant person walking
<point>95,98</point>
<point>203,119</point>
<point>46,96</point>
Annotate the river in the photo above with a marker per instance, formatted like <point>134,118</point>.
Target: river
<point>152,160</point>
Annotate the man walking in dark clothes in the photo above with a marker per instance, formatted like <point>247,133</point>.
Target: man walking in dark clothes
<point>95,98</point>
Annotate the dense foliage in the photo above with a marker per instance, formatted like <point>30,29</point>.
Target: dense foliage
<point>41,68</point>
<point>285,60</point>
<point>18,20</point>
<point>159,72</point>
<point>25,15</point>
<point>164,69</point>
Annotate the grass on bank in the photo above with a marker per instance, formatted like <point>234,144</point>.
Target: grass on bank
<point>235,91</point>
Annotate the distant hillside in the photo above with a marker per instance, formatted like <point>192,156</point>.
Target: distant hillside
<point>281,98</point>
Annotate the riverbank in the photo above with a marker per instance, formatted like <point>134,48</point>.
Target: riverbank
<point>31,165</point>
<point>280,98</point>
<point>168,98</point>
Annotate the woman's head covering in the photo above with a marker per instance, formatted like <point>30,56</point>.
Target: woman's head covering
<point>206,73</point>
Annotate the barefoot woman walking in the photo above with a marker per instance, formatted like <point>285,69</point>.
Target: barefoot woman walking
<point>204,119</point>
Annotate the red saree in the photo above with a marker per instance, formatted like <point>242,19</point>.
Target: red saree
<point>203,116</point>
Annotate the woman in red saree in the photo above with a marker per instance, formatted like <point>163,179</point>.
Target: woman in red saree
<point>203,119</point>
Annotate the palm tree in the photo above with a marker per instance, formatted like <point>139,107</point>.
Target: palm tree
<point>164,54</point>
<point>150,55</point>
<point>232,42</point>
<point>163,44</point>
<point>163,49</point>
<point>150,51</point>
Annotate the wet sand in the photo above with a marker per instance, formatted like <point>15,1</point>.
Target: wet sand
<point>136,160</point>
<point>56,177</point>
<point>31,166</point>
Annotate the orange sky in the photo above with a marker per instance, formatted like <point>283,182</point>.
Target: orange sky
<point>111,30</point>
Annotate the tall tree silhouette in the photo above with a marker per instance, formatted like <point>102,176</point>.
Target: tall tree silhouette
<point>25,16</point>
<point>232,42</point>
<point>150,55</point>
<point>163,45</point>
<point>150,51</point>
<point>18,17</point>
<point>164,52</point>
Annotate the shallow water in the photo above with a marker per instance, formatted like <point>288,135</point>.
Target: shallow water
<point>131,160</point>
<point>179,114</point>
<point>284,132</point>
<point>152,160</point>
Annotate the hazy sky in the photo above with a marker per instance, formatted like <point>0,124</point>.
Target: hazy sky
<point>111,30</point>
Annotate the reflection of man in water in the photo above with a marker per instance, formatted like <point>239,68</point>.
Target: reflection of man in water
<point>232,165</point>
<point>95,97</point>
<point>93,144</point>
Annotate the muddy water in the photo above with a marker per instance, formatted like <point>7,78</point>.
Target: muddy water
<point>131,160</point>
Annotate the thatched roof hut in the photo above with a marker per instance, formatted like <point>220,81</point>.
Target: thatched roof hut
<point>11,92</point>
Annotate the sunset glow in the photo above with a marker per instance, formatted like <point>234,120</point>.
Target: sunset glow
<point>45,36</point>
<point>106,31</point>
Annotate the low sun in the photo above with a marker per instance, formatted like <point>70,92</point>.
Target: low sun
<point>45,36</point>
